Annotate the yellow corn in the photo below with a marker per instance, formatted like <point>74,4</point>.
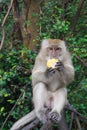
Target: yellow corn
<point>52,63</point>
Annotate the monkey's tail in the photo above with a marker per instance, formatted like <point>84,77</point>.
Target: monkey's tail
<point>24,120</point>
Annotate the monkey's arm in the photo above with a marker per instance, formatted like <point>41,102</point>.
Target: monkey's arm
<point>43,76</point>
<point>66,71</point>
<point>69,73</point>
<point>39,72</point>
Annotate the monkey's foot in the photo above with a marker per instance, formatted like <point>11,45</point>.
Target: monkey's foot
<point>55,117</point>
<point>43,118</point>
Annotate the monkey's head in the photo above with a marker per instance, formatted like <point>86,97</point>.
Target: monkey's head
<point>54,48</point>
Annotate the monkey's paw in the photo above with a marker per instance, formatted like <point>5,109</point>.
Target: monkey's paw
<point>43,118</point>
<point>59,66</point>
<point>55,117</point>
<point>50,72</point>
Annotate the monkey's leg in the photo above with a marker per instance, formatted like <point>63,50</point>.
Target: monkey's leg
<point>39,98</point>
<point>60,99</point>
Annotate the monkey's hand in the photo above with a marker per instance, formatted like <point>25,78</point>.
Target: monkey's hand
<point>50,71</point>
<point>59,66</point>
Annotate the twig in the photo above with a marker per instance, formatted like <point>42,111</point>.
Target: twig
<point>78,123</point>
<point>3,37</point>
<point>3,23</point>
<point>11,112</point>
<point>69,107</point>
<point>5,18</point>
<point>82,61</point>
<point>72,118</point>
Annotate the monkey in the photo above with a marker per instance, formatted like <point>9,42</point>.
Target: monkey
<point>49,85</point>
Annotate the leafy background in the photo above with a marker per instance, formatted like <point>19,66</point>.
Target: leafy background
<point>16,63</point>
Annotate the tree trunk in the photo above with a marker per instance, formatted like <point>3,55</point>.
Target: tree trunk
<point>29,28</point>
<point>33,17</point>
<point>26,22</point>
<point>75,19</point>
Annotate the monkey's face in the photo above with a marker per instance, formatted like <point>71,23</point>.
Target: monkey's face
<point>54,51</point>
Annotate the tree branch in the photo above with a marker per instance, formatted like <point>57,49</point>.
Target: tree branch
<point>71,122</point>
<point>3,23</point>
<point>31,125</point>
<point>75,19</point>
<point>47,126</point>
<point>62,125</point>
<point>78,123</point>
<point>10,112</point>
<point>82,61</point>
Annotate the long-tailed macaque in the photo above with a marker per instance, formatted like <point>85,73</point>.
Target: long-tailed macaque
<point>49,83</point>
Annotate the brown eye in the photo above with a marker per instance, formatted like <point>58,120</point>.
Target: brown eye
<point>50,48</point>
<point>57,49</point>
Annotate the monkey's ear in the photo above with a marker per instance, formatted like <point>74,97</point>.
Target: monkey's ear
<point>44,44</point>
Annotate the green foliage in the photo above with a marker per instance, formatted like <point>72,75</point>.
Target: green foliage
<point>14,80</point>
<point>16,64</point>
<point>51,21</point>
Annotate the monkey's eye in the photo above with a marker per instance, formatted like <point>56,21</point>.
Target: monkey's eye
<point>50,48</point>
<point>57,49</point>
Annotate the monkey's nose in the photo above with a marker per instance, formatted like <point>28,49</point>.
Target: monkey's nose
<point>54,56</point>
